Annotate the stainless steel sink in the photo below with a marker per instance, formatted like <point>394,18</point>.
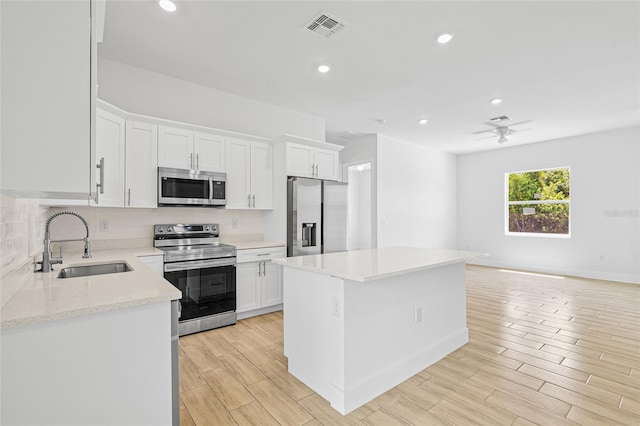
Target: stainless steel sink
<point>89,270</point>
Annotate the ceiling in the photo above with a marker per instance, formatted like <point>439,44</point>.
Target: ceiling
<point>570,67</point>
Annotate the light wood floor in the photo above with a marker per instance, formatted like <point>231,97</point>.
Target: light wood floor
<point>541,351</point>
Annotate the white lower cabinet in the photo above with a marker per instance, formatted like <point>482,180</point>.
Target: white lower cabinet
<point>258,281</point>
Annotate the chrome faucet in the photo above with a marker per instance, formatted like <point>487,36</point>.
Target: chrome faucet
<point>48,258</point>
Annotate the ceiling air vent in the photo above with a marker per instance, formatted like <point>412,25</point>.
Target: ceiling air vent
<point>325,25</point>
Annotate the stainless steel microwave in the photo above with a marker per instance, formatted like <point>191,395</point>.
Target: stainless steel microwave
<point>178,187</point>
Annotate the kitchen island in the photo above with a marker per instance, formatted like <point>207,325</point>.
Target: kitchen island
<point>358,323</point>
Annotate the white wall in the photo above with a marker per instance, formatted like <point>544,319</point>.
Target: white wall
<point>416,189</point>
<point>144,92</point>
<point>605,198</point>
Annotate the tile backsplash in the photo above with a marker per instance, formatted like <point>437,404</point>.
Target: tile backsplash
<point>119,227</point>
<point>21,231</point>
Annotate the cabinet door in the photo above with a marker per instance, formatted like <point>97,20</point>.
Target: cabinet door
<point>247,287</point>
<point>175,148</point>
<point>110,133</point>
<point>327,163</point>
<point>47,98</point>
<point>299,160</point>
<point>271,284</point>
<point>238,174</point>
<point>261,175</point>
<point>210,152</point>
<point>141,179</point>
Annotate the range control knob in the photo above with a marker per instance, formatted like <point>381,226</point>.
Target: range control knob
<point>206,228</point>
<point>160,229</point>
<point>169,228</point>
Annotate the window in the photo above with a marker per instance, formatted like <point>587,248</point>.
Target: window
<point>537,202</point>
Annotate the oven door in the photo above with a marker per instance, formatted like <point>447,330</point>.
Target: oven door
<point>207,287</point>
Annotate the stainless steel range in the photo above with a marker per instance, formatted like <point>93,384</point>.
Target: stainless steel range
<point>203,270</point>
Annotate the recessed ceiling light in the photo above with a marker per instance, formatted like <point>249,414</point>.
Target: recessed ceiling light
<point>423,121</point>
<point>444,38</point>
<point>496,101</point>
<point>167,5</point>
<point>324,68</point>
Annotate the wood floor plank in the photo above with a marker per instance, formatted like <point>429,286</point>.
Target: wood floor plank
<point>201,356</point>
<point>524,409</point>
<point>321,410</point>
<point>205,408</point>
<point>613,413</point>
<point>253,414</point>
<point>242,367</point>
<point>227,388</point>
<point>382,418</point>
<point>280,405</point>
<point>188,373</point>
<point>185,417</point>
<point>582,388</point>
<point>279,375</point>
<point>524,393</point>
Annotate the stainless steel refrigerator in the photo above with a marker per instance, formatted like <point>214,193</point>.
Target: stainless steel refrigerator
<point>316,216</point>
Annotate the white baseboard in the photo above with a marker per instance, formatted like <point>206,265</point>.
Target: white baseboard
<point>597,275</point>
<point>260,311</point>
<point>396,373</point>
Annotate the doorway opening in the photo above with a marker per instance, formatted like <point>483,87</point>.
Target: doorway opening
<point>359,202</point>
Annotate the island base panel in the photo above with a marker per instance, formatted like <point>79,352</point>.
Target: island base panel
<point>351,341</point>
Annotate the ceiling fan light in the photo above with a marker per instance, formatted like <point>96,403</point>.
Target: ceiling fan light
<point>502,139</point>
<point>444,38</point>
<point>167,5</point>
<point>324,68</point>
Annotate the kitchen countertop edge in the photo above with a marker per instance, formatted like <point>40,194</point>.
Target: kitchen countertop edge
<point>31,303</point>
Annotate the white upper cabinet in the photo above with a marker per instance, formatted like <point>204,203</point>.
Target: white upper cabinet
<point>210,152</point>
<point>48,93</point>
<point>312,162</point>
<point>249,174</point>
<point>182,148</point>
<point>175,148</point>
<point>327,164</point>
<point>141,179</point>
<point>110,151</point>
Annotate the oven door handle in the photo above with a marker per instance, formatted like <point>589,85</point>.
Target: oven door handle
<point>197,264</point>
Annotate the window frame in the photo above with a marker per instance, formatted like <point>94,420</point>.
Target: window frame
<point>508,203</point>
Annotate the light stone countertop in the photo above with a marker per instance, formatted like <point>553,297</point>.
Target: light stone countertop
<point>247,245</point>
<point>42,297</point>
<point>375,264</point>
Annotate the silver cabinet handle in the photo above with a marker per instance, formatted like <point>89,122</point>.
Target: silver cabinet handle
<point>191,160</point>
<point>249,200</point>
<point>316,170</point>
<point>129,197</point>
<point>100,185</point>
<point>197,161</point>
<point>313,173</point>
<point>263,254</point>
<point>259,269</point>
<point>264,269</point>
<point>254,201</point>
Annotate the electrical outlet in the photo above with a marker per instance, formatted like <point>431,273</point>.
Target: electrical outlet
<point>104,225</point>
<point>601,257</point>
<point>336,306</point>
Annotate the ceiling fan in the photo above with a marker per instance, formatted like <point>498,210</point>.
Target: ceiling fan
<point>502,131</point>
